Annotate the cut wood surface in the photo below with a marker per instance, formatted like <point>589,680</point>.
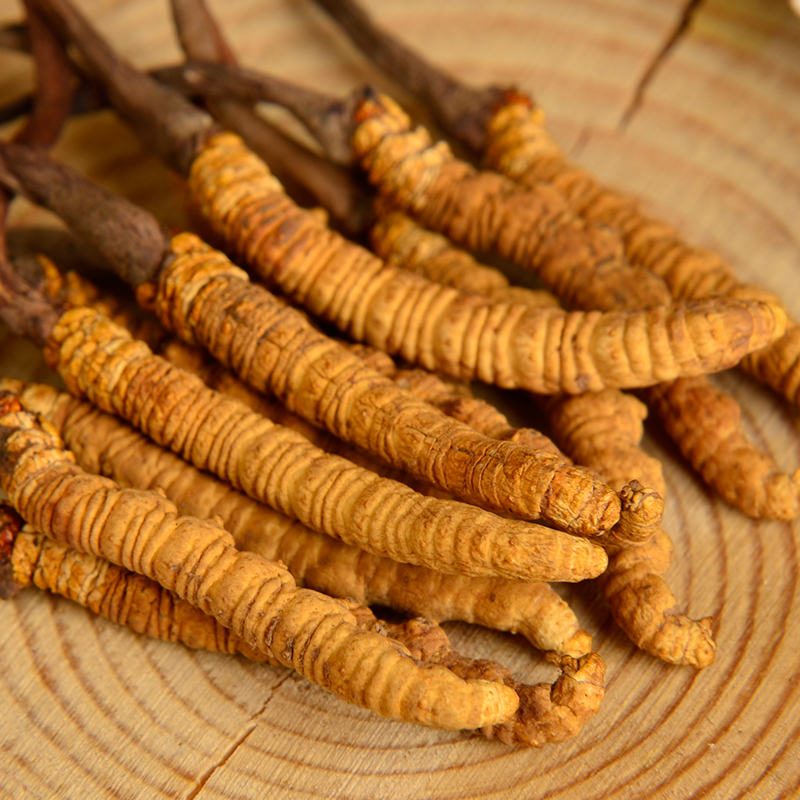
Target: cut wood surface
<point>695,107</point>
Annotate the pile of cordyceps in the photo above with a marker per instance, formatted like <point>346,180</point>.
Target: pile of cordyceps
<point>271,456</point>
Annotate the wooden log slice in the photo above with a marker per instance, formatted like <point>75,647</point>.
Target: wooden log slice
<point>696,111</point>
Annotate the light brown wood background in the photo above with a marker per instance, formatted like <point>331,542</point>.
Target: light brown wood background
<point>708,132</point>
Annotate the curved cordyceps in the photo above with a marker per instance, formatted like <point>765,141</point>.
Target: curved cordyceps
<point>484,211</point>
<point>104,444</point>
<point>273,464</point>
<point>546,714</point>
<point>257,599</point>
<point>603,431</point>
<point>546,351</point>
<point>656,625</point>
<point>555,713</point>
<point>332,387</point>
<point>707,426</point>
<point>518,145</point>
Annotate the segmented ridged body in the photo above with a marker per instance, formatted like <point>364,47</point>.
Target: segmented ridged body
<point>104,445</point>
<point>257,599</point>
<point>274,349</point>
<point>545,350</point>
<point>121,596</point>
<point>278,466</point>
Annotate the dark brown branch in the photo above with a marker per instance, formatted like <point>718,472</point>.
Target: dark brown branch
<point>199,32</point>
<point>26,311</point>
<point>305,175</point>
<point>462,111</point>
<point>171,125</point>
<point>55,85</point>
<point>328,119</point>
<point>127,236</point>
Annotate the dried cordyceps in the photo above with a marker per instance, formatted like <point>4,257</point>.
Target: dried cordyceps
<point>103,444</point>
<point>581,263</point>
<point>554,713</point>
<point>123,376</point>
<point>545,713</point>
<point>519,146</point>
<point>645,608</point>
<point>248,330</point>
<point>278,466</point>
<point>472,411</point>
<point>707,426</point>
<point>604,431</point>
<point>554,490</point>
<point>546,350</point>
<point>257,599</point>
<point>119,595</point>
<point>399,241</point>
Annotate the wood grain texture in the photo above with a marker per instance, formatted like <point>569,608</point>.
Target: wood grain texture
<point>711,140</point>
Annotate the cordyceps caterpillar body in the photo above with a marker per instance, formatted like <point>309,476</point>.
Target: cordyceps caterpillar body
<point>546,713</point>
<point>601,431</point>
<point>274,348</point>
<point>634,348</point>
<point>401,242</point>
<point>103,444</point>
<point>115,593</point>
<point>354,290</point>
<point>257,599</point>
<point>507,128</point>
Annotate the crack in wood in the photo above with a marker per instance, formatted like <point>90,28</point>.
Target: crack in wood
<point>681,27</point>
<point>229,753</point>
<point>225,758</point>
